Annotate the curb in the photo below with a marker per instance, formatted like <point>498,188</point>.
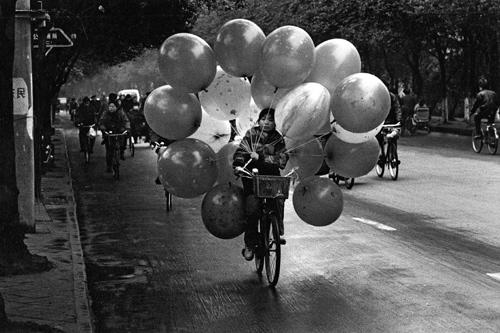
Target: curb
<point>82,303</point>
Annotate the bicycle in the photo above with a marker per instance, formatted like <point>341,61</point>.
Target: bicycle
<point>391,155</point>
<point>114,143</point>
<point>489,137</point>
<point>349,182</point>
<point>90,137</point>
<point>270,226</point>
<point>156,146</point>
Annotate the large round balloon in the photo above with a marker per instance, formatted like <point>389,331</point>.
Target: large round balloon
<point>360,102</point>
<point>171,113</point>
<point>188,168</point>
<point>247,119</point>
<point>351,159</point>
<point>287,56</point>
<point>214,132</point>
<point>226,97</point>
<point>303,112</point>
<point>336,59</point>
<point>225,164</point>
<point>223,211</point>
<point>351,137</point>
<point>187,62</point>
<point>306,157</point>
<point>264,93</point>
<point>318,201</point>
<point>237,47</point>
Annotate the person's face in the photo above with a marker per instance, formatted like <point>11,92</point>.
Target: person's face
<point>267,123</point>
<point>112,108</point>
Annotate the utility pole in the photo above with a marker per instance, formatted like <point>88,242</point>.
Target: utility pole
<point>22,90</point>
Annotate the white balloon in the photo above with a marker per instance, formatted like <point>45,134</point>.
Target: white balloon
<point>352,137</point>
<point>214,132</point>
<point>247,119</point>
<point>226,97</point>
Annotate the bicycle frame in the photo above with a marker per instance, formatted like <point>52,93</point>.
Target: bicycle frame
<point>115,145</point>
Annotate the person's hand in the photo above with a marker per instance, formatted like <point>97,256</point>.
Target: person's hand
<point>254,156</point>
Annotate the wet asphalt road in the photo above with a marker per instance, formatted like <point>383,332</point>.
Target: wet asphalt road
<point>150,271</point>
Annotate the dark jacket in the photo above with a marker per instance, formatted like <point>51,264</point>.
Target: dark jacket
<point>116,121</point>
<point>85,115</point>
<point>394,115</point>
<point>270,146</point>
<point>486,101</point>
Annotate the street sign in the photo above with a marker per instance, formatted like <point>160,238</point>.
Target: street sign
<point>56,37</point>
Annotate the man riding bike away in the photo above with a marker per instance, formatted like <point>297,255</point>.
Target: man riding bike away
<point>485,106</point>
<point>114,120</point>
<point>393,117</point>
<point>266,148</point>
<point>85,117</point>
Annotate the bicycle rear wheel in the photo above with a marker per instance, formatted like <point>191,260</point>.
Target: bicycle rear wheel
<point>272,245</point>
<point>477,143</point>
<point>392,157</point>
<point>493,141</point>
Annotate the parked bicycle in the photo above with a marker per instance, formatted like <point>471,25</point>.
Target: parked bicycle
<point>89,141</point>
<point>489,137</point>
<point>114,144</point>
<point>268,189</point>
<point>157,147</point>
<point>349,182</point>
<point>390,156</point>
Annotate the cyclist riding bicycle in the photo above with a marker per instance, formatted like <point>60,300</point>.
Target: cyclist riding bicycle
<point>85,117</point>
<point>114,120</point>
<point>485,106</point>
<point>393,117</point>
<point>267,154</point>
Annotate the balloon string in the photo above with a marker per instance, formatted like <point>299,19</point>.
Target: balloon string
<point>305,143</point>
<point>262,130</point>
<point>243,143</point>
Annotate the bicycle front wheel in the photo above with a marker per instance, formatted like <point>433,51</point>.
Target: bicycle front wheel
<point>260,249</point>
<point>272,245</point>
<point>168,200</point>
<point>477,143</point>
<point>392,156</point>
<point>116,164</point>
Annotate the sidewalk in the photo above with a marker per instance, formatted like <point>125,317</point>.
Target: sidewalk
<point>59,297</point>
<point>457,126</point>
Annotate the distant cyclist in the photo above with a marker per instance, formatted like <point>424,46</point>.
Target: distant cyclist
<point>85,117</point>
<point>392,118</point>
<point>485,106</point>
<point>115,120</point>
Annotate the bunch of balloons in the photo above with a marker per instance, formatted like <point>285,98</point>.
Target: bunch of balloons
<point>326,110</point>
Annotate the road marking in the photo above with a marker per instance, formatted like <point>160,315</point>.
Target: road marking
<point>374,224</point>
<point>496,276</point>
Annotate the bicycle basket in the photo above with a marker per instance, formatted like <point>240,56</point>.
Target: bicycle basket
<point>271,186</point>
<point>422,114</point>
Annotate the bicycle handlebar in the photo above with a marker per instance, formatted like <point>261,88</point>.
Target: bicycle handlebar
<point>115,134</point>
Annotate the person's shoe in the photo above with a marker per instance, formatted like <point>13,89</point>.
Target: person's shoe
<point>157,181</point>
<point>381,161</point>
<point>247,253</point>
